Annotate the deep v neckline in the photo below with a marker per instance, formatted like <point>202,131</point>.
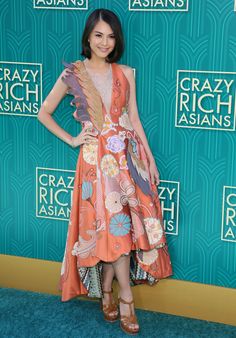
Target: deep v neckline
<point>112,88</point>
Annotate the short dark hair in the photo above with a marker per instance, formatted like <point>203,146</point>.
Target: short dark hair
<point>111,19</point>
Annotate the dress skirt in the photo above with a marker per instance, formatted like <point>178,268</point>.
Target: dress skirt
<point>115,207</point>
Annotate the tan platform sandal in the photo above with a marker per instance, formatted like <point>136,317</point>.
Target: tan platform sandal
<point>110,310</point>
<point>127,322</point>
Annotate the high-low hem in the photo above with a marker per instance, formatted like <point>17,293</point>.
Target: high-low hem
<point>90,278</point>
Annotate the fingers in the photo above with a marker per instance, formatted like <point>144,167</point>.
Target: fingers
<point>88,135</point>
<point>88,138</point>
<point>154,177</point>
<point>157,181</point>
<point>91,131</point>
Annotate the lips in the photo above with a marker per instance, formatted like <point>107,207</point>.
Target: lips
<point>104,50</point>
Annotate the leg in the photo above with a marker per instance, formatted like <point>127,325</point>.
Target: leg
<point>108,275</point>
<point>108,304</point>
<point>122,269</point>
<point>107,278</point>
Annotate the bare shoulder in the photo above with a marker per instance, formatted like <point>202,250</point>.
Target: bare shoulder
<point>62,77</point>
<point>65,72</point>
<point>128,71</point>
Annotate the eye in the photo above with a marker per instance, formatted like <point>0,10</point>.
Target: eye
<point>98,35</point>
<point>112,36</point>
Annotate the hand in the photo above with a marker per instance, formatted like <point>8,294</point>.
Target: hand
<point>154,173</point>
<point>87,135</point>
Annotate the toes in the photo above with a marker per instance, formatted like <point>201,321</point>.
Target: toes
<point>135,326</point>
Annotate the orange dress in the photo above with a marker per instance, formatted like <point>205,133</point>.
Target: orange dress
<point>115,207</point>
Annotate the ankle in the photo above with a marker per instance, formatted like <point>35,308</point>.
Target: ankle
<point>126,294</point>
<point>107,288</point>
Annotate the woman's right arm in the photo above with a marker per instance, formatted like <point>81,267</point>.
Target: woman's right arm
<point>48,107</point>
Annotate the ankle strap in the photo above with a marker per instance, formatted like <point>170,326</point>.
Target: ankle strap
<point>108,291</point>
<point>125,302</point>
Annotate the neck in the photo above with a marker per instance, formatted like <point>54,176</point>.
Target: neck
<point>96,62</point>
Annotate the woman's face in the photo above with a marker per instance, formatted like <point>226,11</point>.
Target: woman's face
<point>102,40</point>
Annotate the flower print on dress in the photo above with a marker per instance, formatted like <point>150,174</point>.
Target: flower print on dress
<point>154,229</point>
<point>148,257</point>
<point>128,190</point>
<point>124,120</point>
<point>122,135</point>
<point>109,165</point>
<point>90,153</point>
<point>123,162</point>
<point>120,225</point>
<point>108,125</point>
<point>115,144</point>
<point>112,202</point>
<point>117,246</point>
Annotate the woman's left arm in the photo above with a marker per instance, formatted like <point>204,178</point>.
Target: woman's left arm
<point>137,125</point>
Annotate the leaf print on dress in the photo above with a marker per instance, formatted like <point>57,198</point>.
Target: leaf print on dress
<point>120,225</point>
<point>87,190</point>
<point>109,165</point>
<point>112,202</point>
<point>99,225</point>
<point>93,97</point>
<point>134,145</point>
<point>124,120</point>
<point>82,247</point>
<point>115,144</point>
<point>137,168</point>
<point>154,229</point>
<point>81,113</point>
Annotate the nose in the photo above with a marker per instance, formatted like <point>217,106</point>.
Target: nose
<point>104,41</point>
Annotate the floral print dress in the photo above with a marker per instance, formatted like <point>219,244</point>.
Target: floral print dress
<point>115,207</point>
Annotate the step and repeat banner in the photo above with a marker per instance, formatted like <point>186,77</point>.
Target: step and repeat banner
<point>184,56</point>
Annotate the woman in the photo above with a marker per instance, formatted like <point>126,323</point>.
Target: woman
<point>115,228</point>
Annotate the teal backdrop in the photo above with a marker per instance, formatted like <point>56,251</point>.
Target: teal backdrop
<point>184,57</point>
